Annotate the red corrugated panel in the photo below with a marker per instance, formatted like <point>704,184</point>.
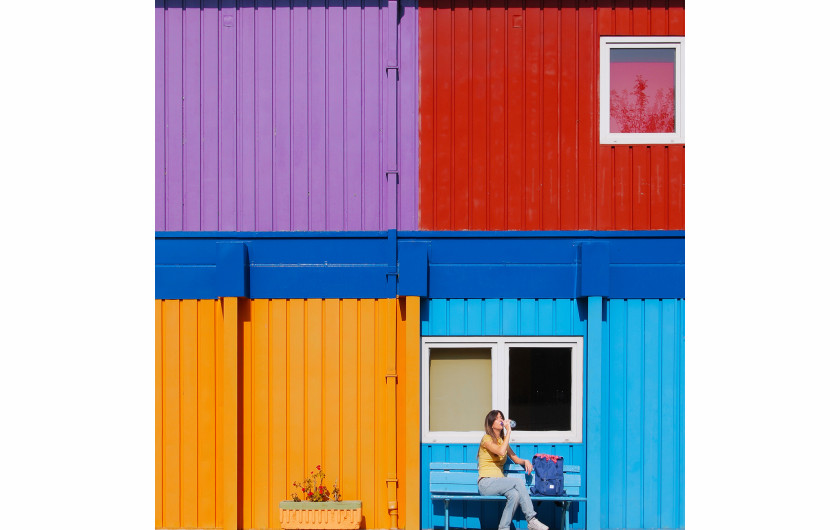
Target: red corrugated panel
<point>509,119</point>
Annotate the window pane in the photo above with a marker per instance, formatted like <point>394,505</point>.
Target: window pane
<point>642,90</point>
<point>540,389</point>
<point>460,382</point>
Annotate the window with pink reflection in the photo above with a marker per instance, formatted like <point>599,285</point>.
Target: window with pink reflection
<point>642,90</point>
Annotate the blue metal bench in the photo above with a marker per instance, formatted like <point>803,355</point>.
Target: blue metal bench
<point>459,481</point>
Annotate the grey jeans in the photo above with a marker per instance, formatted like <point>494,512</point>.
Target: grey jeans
<point>516,493</point>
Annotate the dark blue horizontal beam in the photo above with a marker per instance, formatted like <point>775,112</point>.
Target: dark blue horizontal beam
<point>649,264</point>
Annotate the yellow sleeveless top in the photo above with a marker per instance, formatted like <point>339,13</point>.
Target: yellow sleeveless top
<point>489,464</point>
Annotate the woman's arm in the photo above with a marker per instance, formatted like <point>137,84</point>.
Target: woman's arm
<point>521,461</point>
<point>499,449</point>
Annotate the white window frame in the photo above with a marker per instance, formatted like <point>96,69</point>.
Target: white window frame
<point>500,362</point>
<point>678,136</point>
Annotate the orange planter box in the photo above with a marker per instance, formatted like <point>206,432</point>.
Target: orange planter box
<point>329,515</point>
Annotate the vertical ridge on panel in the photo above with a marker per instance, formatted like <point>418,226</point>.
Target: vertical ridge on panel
<point>658,188</point>
<point>160,121</point>
<point>461,111</point>
<point>191,144</point>
<point>263,116</point>
<point>413,475</point>
<point>246,117</point>
<point>380,430</point>
<point>652,404</point>
<point>367,410</point>
<point>158,413</point>
<point>497,202</point>
<point>206,414</point>
<point>332,391</point>
<point>550,90</point>
<point>283,130</point>
<point>527,316</point>
<point>227,116</point>
<point>641,17</point>
<point>313,373</point>
<point>533,124</point>
<point>676,187</point>
<point>515,92</point>
<point>299,53</point>
<point>623,190</point>
<point>189,412</point>
<point>681,407</point>
<point>443,123</point>
<point>604,202</point>
<point>354,198</point>
<point>317,67</point>
<point>335,110</point>
<point>634,414</point>
<point>408,188</point>
<point>219,411</point>
<point>640,156</point>
<point>426,116</point>
<point>296,454</point>
<point>659,17</point>
<point>173,111</point>
<point>277,409</point>
<point>479,113</point>
<point>568,119</point>
<point>349,404</point>
<point>676,17</point>
<point>210,116</point>
<point>171,415</point>
<point>401,411</point>
<point>372,98</point>
<point>260,383</point>
<point>617,462</point>
<point>669,487</point>
<point>623,18</point>
<point>587,127</point>
<point>246,414</point>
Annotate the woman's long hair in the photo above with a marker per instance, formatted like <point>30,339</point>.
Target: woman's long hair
<point>488,427</point>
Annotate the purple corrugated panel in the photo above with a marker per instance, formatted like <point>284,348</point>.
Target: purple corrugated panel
<point>285,116</point>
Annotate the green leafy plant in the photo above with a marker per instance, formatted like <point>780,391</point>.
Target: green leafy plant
<point>312,489</point>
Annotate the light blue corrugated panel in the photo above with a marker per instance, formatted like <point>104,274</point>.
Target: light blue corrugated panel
<point>643,381</point>
<point>502,316</point>
<point>642,479</point>
<point>494,317</point>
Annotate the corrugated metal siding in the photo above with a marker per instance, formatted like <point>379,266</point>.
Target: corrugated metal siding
<point>643,469</point>
<point>643,401</point>
<point>508,120</point>
<point>312,391</point>
<point>275,117</point>
<point>451,317</point>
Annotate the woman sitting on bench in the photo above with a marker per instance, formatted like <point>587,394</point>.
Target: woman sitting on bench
<point>492,455</point>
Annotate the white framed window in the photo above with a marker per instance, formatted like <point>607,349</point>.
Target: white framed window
<point>536,381</point>
<point>642,91</point>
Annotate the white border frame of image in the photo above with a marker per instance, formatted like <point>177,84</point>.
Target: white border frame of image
<point>678,136</point>
<point>499,360</point>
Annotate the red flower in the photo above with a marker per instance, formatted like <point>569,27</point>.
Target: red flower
<point>318,467</point>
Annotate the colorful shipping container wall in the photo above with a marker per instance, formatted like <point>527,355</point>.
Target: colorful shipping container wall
<point>509,120</point>
<point>285,116</point>
<point>641,483</point>
<point>315,382</point>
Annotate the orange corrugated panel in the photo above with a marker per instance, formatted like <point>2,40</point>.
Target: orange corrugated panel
<point>310,389</point>
<point>509,117</point>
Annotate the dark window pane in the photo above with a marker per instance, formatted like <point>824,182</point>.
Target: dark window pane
<point>540,389</point>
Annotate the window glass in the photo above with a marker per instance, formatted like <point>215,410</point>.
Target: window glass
<point>540,388</point>
<point>460,386</point>
<point>642,90</point>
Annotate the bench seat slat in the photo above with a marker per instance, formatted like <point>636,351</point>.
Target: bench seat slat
<point>463,490</point>
<point>438,497</point>
<point>473,466</point>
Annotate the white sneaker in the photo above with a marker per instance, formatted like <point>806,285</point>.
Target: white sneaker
<point>535,524</point>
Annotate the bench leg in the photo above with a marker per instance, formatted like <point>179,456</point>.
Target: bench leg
<point>568,505</point>
<point>446,513</point>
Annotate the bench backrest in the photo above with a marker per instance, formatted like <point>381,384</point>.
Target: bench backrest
<point>462,478</point>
